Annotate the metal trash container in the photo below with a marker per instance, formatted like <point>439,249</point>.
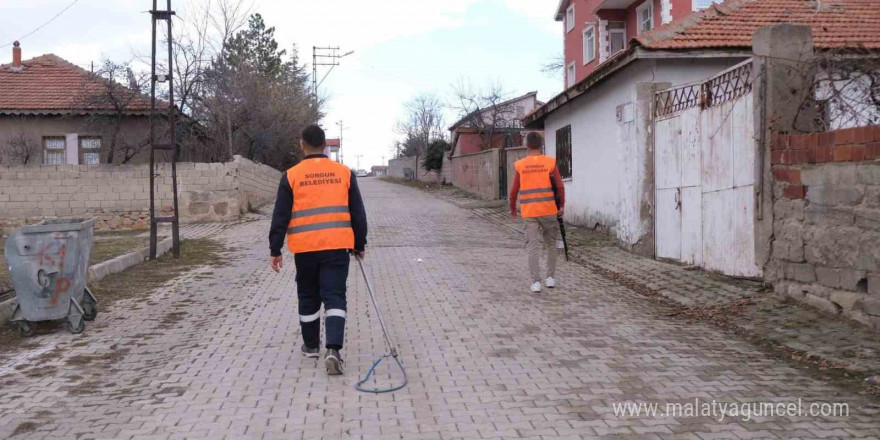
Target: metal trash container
<point>49,264</point>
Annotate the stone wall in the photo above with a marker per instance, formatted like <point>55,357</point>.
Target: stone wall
<point>826,221</point>
<point>119,197</point>
<point>397,167</point>
<point>477,173</point>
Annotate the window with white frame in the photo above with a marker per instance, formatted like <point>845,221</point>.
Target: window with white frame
<point>569,75</point>
<point>589,44</point>
<point>645,15</point>
<point>54,150</point>
<point>89,150</point>
<point>616,36</point>
<point>699,5</point>
<point>569,18</point>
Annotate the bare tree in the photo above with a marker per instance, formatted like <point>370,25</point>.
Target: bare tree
<point>489,111</point>
<point>555,67</point>
<point>847,89</point>
<point>23,148</point>
<point>109,96</point>
<point>257,96</point>
<point>422,123</point>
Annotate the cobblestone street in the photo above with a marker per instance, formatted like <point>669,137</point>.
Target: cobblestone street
<point>215,354</point>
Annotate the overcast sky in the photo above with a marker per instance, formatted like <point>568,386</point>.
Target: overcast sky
<point>402,48</point>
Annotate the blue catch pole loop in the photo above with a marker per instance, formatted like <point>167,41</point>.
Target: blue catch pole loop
<point>359,385</point>
<point>392,352</point>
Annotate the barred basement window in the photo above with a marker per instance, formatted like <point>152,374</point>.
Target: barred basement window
<point>563,151</point>
<point>54,151</point>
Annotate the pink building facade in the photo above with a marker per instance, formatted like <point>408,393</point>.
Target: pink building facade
<point>595,30</point>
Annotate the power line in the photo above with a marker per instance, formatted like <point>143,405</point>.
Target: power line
<point>43,25</point>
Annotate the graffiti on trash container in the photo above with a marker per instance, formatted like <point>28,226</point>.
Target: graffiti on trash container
<point>48,255</point>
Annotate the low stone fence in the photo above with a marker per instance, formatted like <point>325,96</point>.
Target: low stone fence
<point>402,167</point>
<point>826,221</point>
<point>119,197</point>
<point>477,173</point>
<point>398,168</point>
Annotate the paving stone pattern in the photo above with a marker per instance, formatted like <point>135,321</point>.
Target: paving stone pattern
<point>214,354</point>
<point>753,308</point>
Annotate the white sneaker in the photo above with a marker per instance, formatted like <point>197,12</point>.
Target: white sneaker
<point>550,282</point>
<point>536,287</point>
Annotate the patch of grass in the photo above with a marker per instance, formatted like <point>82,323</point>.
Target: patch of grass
<point>106,234</point>
<point>145,277</point>
<point>103,250</point>
<point>429,186</point>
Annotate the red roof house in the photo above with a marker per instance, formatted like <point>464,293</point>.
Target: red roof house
<point>589,126</point>
<point>53,112</point>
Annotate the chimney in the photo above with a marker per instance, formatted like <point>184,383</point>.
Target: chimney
<point>16,55</point>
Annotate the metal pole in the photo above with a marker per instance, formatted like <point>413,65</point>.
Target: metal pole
<point>341,127</point>
<point>153,225</point>
<point>391,349</point>
<point>315,79</point>
<point>172,121</point>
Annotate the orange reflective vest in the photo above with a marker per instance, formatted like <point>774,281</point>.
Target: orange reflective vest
<point>536,198</point>
<point>320,219</point>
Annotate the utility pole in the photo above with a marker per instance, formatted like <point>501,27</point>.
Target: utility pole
<point>341,128</point>
<point>157,15</point>
<point>324,56</point>
<point>359,156</point>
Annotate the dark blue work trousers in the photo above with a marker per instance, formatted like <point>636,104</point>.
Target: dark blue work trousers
<point>321,278</point>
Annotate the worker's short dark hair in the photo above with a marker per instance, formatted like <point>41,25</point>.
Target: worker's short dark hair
<point>313,136</point>
<point>534,140</point>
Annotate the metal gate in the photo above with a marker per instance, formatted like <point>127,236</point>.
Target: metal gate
<point>705,173</point>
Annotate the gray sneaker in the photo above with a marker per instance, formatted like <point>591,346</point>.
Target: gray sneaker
<point>333,362</point>
<point>311,353</point>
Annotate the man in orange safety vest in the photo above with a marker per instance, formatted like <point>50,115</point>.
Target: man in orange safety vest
<point>320,212</point>
<point>541,193</point>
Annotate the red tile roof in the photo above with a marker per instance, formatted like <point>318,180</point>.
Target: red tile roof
<point>332,142</point>
<point>50,85</point>
<point>835,24</point>
<point>729,26</point>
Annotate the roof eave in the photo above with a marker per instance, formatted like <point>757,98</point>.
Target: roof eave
<point>61,112</point>
<point>560,10</point>
<point>535,120</point>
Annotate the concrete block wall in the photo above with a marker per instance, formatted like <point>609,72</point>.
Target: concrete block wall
<point>258,183</point>
<point>825,247</point>
<point>118,195</point>
<point>477,173</point>
<point>397,166</point>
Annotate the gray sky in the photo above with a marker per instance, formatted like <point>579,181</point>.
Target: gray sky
<point>402,48</point>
